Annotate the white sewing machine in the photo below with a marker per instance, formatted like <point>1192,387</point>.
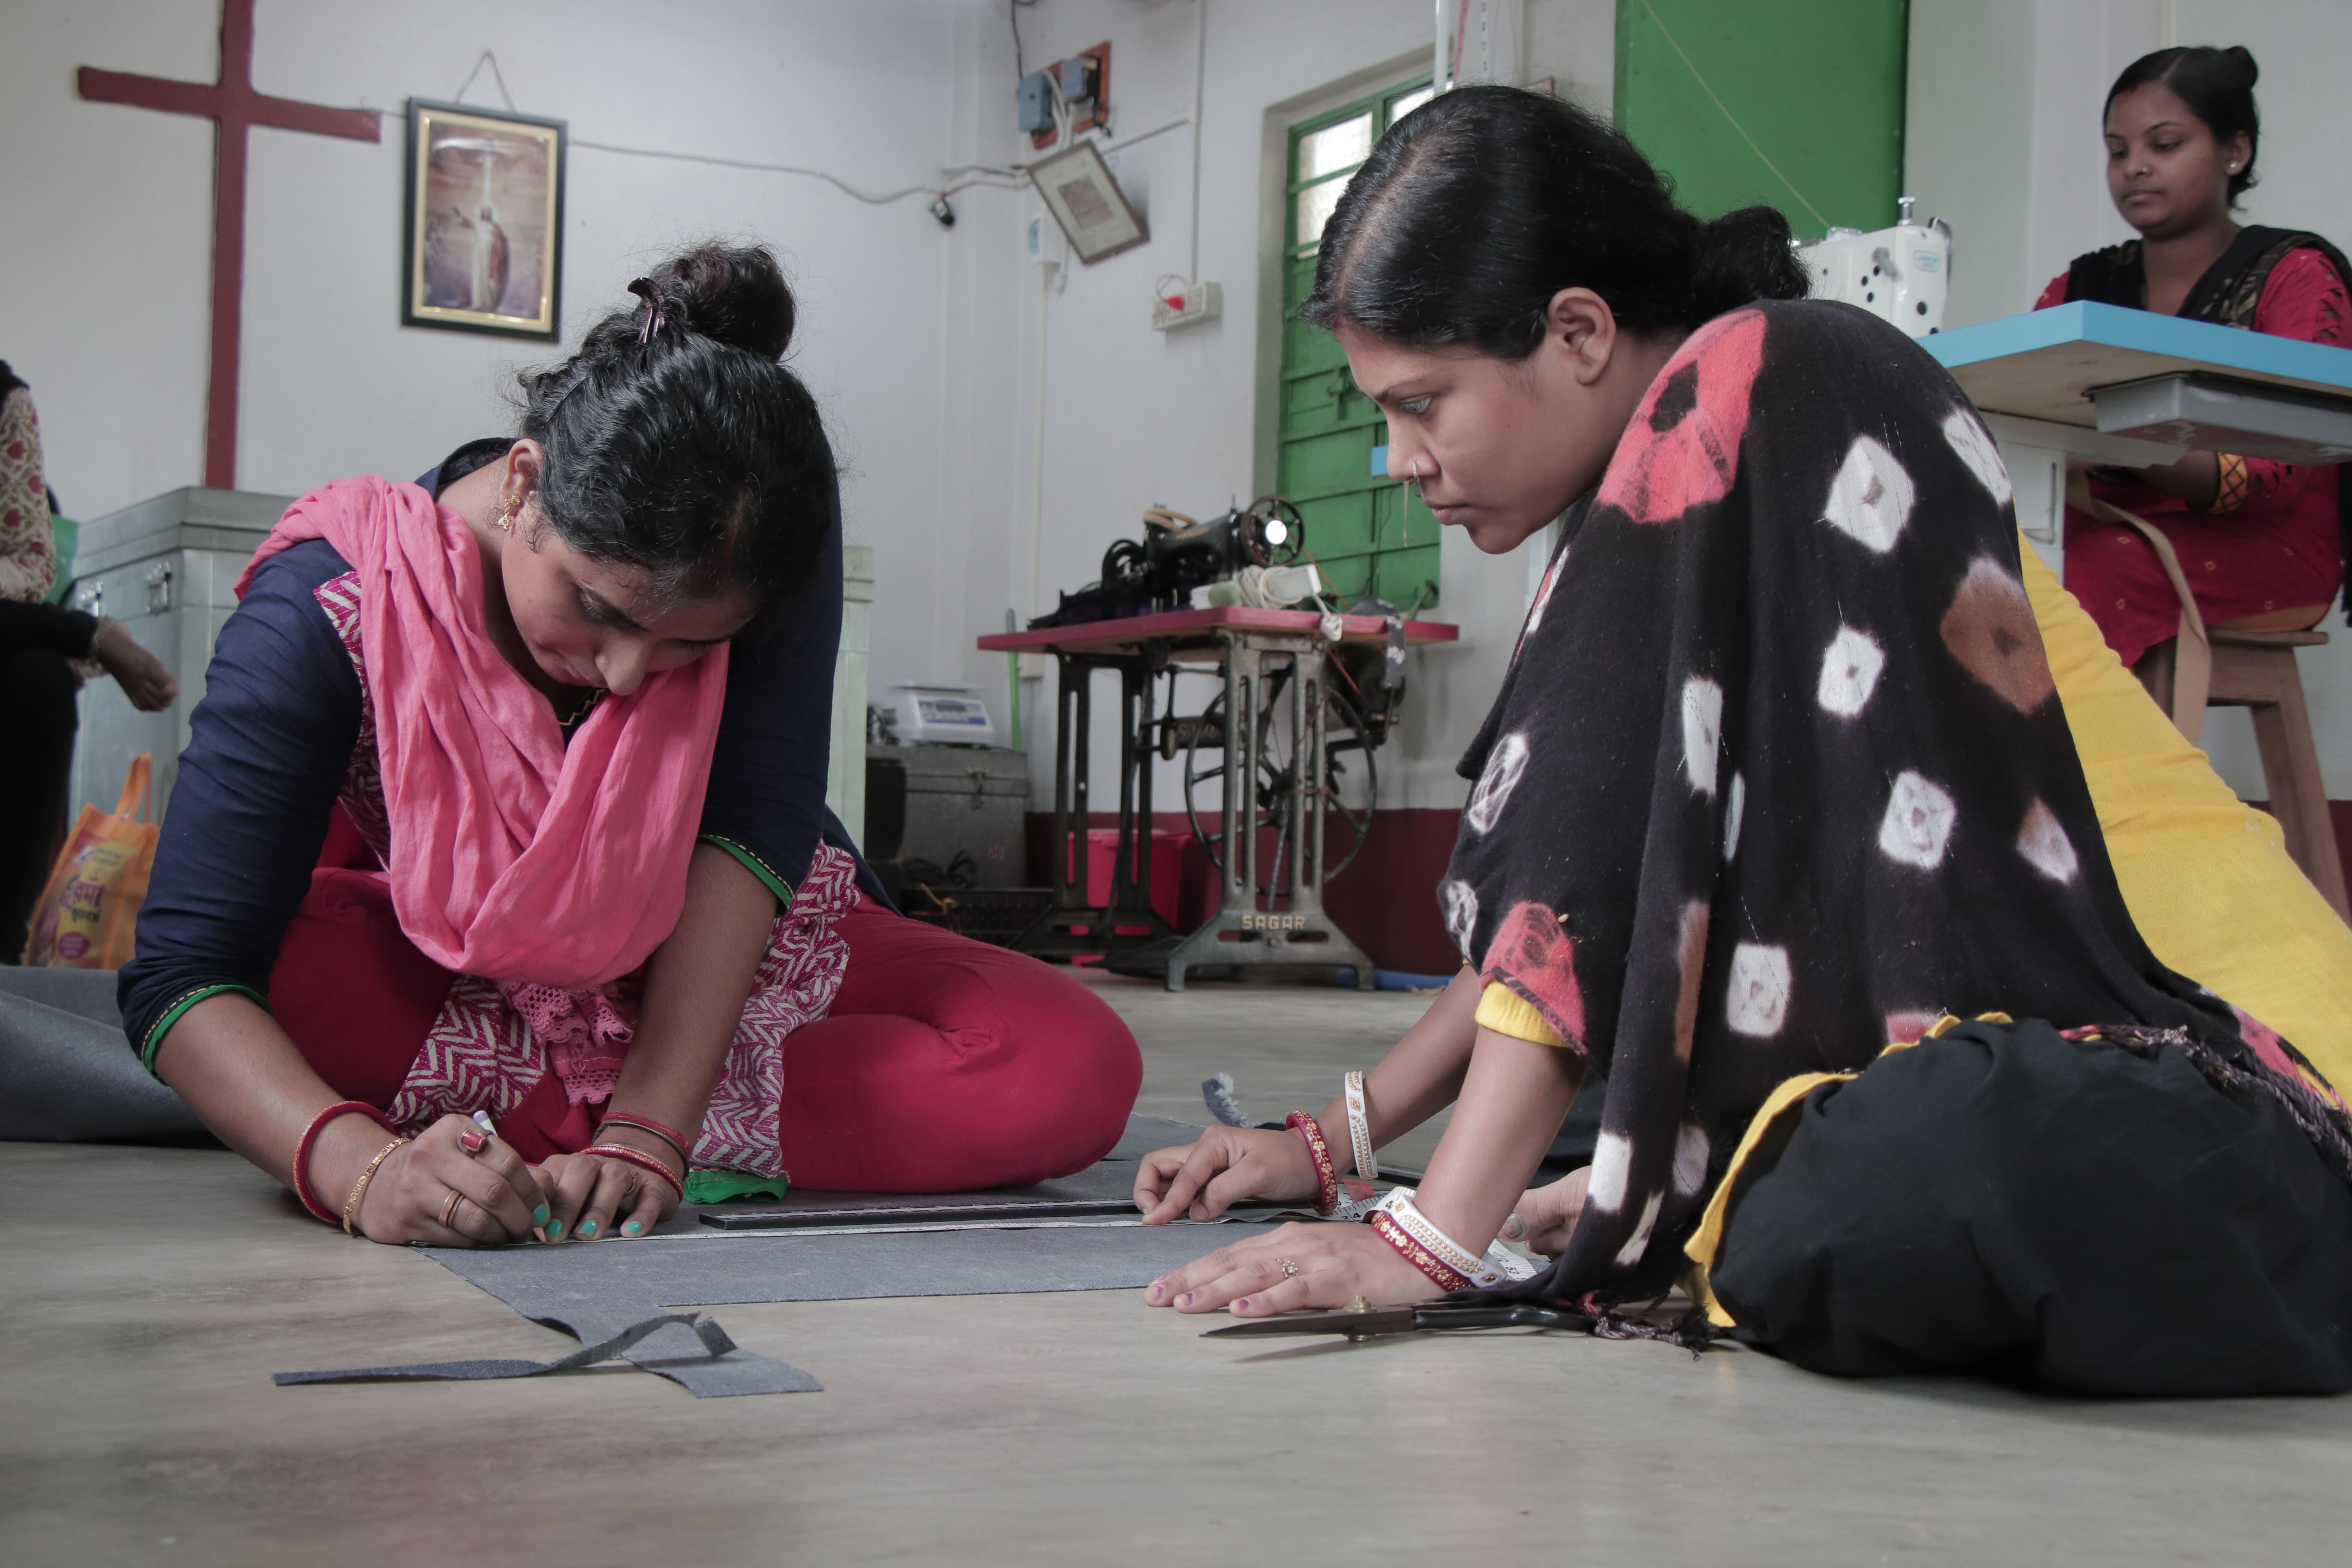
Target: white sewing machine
<point>1898,273</point>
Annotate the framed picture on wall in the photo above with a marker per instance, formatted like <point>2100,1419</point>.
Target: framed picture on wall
<point>1082,194</point>
<point>485,232</point>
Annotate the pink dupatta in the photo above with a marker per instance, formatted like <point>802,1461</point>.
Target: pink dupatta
<point>513,857</point>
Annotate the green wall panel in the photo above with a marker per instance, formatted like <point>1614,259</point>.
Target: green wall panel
<point>1816,85</point>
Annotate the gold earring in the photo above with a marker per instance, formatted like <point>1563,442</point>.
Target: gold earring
<point>508,508</point>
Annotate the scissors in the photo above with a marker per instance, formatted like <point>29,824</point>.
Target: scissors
<point>1431,1319</point>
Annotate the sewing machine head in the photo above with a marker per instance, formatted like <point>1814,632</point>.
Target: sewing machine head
<point>1898,274</point>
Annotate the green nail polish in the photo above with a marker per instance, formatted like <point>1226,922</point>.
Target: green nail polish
<point>555,1230</point>
<point>632,1228</point>
<point>587,1227</point>
<point>539,1215</point>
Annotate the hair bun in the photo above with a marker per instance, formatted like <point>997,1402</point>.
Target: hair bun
<point>1743,257</point>
<point>732,294</point>
<point>2243,58</point>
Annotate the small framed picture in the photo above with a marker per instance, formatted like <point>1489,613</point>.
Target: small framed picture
<point>485,251</point>
<point>1083,196</point>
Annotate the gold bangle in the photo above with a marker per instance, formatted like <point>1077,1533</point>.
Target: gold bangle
<point>358,1188</point>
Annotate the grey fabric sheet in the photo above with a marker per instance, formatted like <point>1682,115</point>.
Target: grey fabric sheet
<point>720,1270</point>
<point>595,1290</point>
<point>68,1076</point>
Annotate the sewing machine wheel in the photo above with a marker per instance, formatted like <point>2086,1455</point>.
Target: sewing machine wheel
<point>1350,784</point>
<point>1274,534</point>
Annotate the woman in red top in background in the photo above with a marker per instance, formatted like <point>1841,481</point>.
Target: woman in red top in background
<point>2263,544</point>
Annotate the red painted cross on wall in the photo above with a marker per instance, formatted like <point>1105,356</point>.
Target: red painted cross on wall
<point>233,102</point>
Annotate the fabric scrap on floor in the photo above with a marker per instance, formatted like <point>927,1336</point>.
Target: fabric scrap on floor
<point>715,1346</point>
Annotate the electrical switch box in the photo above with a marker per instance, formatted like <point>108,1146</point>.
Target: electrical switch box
<point>1082,82</point>
<point>1185,305</point>
<point>1078,77</point>
<point>1036,103</point>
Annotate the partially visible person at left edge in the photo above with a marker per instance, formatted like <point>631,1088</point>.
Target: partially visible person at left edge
<point>39,643</point>
<point>2262,544</point>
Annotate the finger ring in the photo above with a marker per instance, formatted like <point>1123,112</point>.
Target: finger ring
<point>449,1209</point>
<point>473,1139</point>
<point>1289,1269</point>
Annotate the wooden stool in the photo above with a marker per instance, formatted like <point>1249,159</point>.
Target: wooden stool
<point>2256,670</point>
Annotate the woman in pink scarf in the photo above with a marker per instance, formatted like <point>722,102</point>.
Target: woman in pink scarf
<point>504,806</point>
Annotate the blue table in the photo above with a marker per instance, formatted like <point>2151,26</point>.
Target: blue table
<point>2108,385</point>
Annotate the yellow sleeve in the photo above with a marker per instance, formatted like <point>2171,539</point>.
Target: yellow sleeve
<point>1503,1010</point>
<point>2206,877</point>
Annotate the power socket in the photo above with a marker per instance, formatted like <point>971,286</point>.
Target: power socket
<point>1190,306</point>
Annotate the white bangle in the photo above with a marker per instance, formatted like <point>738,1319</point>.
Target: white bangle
<point>1360,1127</point>
<point>1498,1266</point>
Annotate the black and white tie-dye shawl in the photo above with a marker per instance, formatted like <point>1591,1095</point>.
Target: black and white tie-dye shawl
<point>1778,772</point>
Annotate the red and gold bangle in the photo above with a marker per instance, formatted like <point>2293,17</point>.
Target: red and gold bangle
<point>642,1161</point>
<point>1327,1179</point>
<point>669,1135</point>
<point>1405,1218</point>
<point>1446,1277</point>
<point>360,1187</point>
<point>310,1140</point>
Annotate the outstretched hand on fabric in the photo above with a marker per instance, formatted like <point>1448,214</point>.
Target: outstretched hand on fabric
<point>409,1197</point>
<point>593,1197</point>
<point>1201,1180</point>
<point>1294,1267</point>
<point>1545,1216</point>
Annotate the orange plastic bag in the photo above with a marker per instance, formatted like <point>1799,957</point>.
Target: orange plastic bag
<point>90,907</point>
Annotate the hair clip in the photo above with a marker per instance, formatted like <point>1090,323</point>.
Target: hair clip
<point>643,287</point>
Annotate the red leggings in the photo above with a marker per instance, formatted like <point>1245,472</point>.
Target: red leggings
<point>946,1064</point>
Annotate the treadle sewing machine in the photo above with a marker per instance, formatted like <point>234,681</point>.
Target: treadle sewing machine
<point>1279,771</point>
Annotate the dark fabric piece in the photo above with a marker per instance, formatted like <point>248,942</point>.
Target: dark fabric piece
<point>272,740</point>
<point>65,1077</point>
<point>2229,293</point>
<point>39,717</point>
<point>1797,589</point>
<point>47,628</point>
<point>721,1370</point>
<point>84,992</point>
<point>2075,1215</point>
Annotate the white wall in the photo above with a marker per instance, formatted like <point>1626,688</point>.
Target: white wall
<point>921,344</point>
<point>2003,142</point>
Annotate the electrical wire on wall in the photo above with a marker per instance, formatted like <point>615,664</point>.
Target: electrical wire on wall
<point>962,178</point>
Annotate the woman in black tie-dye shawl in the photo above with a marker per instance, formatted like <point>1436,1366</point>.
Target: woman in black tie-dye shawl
<point>1777,788</point>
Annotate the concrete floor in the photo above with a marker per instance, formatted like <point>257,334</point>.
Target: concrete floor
<point>149,1294</point>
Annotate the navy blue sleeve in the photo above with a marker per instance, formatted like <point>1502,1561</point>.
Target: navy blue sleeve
<point>257,787</point>
<point>766,800</point>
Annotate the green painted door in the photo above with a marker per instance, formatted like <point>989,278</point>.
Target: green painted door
<point>1794,103</point>
<point>1366,534</point>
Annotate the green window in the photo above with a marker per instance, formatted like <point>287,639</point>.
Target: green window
<point>1797,104</point>
<point>1365,533</point>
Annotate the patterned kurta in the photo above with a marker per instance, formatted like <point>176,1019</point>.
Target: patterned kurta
<point>1778,772</point>
<point>28,555</point>
<point>494,1041</point>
